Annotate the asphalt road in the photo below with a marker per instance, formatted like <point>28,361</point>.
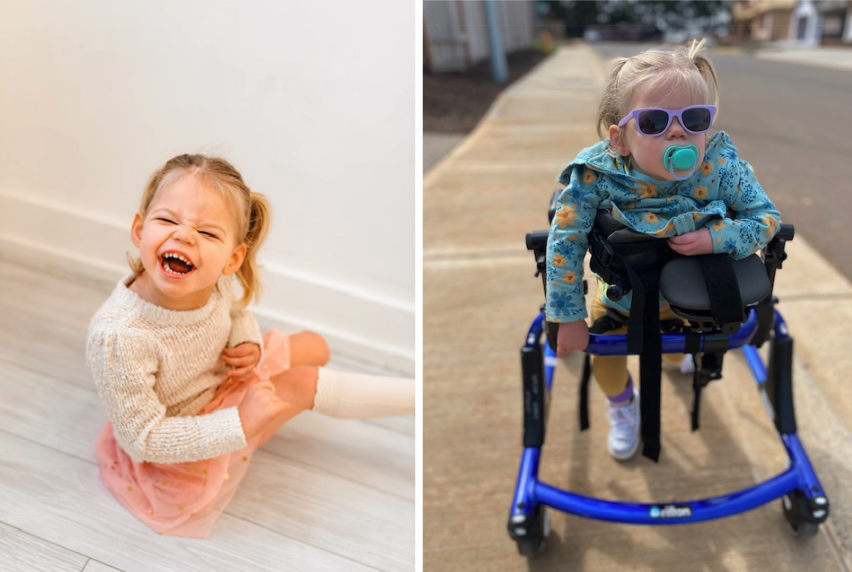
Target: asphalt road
<point>793,123</point>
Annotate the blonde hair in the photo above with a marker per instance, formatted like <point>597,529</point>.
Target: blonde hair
<point>677,67</point>
<point>251,209</point>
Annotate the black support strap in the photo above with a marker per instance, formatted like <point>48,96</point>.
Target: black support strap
<point>708,367</point>
<point>584,392</point>
<point>726,308</point>
<point>629,261</point>
<point>645,340</point>
<point>696,401</point>
<point>606,323</point>
<point>726,305</point>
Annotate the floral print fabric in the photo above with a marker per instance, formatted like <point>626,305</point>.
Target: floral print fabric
<point>722,195</point>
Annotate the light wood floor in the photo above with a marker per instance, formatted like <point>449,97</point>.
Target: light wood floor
<point>323,494</point>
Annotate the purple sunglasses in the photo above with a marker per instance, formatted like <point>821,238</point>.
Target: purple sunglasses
<point>654,121</point>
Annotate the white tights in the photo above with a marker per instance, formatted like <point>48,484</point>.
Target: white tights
<point>346,395</point>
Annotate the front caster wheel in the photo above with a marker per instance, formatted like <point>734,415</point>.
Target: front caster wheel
<point>804,515</point>
<point>530,531</point>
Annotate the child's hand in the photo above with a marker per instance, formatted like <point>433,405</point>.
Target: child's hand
<point>693,243</point>
<point>259,407</point>
<point>572,336</point>
<point>243,359</point>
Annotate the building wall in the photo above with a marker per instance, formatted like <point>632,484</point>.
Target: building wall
<point>446,46</point>
<point>763,20</point>
<point>456,31</point>
<point>780,25</point>
<point>311,101</point>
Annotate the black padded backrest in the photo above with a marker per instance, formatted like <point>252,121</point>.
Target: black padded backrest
<point>617,232</point>
<point>607,223</point>
<point>682,282</point>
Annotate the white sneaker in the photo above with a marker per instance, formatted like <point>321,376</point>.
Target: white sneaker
<point>685,366</point>
<point>623,438</point>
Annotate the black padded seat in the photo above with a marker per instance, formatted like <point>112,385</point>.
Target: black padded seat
<point>682,283</point>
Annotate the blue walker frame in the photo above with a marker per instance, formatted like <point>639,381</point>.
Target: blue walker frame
<point>805,504</point>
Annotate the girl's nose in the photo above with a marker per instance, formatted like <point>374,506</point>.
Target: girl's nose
<point>676,130</point>
<point>184,234</point>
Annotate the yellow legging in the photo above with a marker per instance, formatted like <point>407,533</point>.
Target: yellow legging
<point>611,371</point>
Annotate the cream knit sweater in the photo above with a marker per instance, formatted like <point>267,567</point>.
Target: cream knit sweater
<point>156,368</point>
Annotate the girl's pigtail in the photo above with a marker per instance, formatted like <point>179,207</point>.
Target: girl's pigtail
<point>249,272</point>
<point>705,68</point>
<point>611,103</point>
<point>695,47</point>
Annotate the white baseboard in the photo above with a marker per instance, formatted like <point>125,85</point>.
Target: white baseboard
<point>360,327</point>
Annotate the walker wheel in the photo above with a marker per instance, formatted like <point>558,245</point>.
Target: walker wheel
<point>531,541</point>
<point>800,522</point>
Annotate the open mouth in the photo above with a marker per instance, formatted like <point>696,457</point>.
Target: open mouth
<point>176,264</point>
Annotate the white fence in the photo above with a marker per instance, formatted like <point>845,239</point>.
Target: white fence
<point>455,35</point>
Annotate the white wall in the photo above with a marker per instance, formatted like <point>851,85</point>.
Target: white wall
<point>312,101</point>
<point>847,29</point>
<point>805,11</point>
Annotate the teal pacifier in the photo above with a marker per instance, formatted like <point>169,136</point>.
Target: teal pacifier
<point>677,158</point>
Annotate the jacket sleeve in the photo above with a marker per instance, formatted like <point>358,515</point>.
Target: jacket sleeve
<point>125,364</point>
<point>755,219</point>
<point>567,245</point>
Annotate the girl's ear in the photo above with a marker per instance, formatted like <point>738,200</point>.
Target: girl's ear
<point>136,230</point>
<point>236,260</point>
<point>616,139</point>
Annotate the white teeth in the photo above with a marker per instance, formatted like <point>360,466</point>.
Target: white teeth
<point>175,256</point>
<point>178,256</point>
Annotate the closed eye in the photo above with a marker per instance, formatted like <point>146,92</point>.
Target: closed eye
<point>166,220</point>
<point>208,234</point>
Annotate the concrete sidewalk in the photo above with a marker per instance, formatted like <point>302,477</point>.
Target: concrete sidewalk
<point>480,296</point>
<point>823,56</point>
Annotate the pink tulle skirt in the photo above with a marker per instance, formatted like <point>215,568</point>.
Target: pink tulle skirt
<point>186,499</point>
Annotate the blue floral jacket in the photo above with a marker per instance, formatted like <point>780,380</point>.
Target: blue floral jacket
<point>596,180</point>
